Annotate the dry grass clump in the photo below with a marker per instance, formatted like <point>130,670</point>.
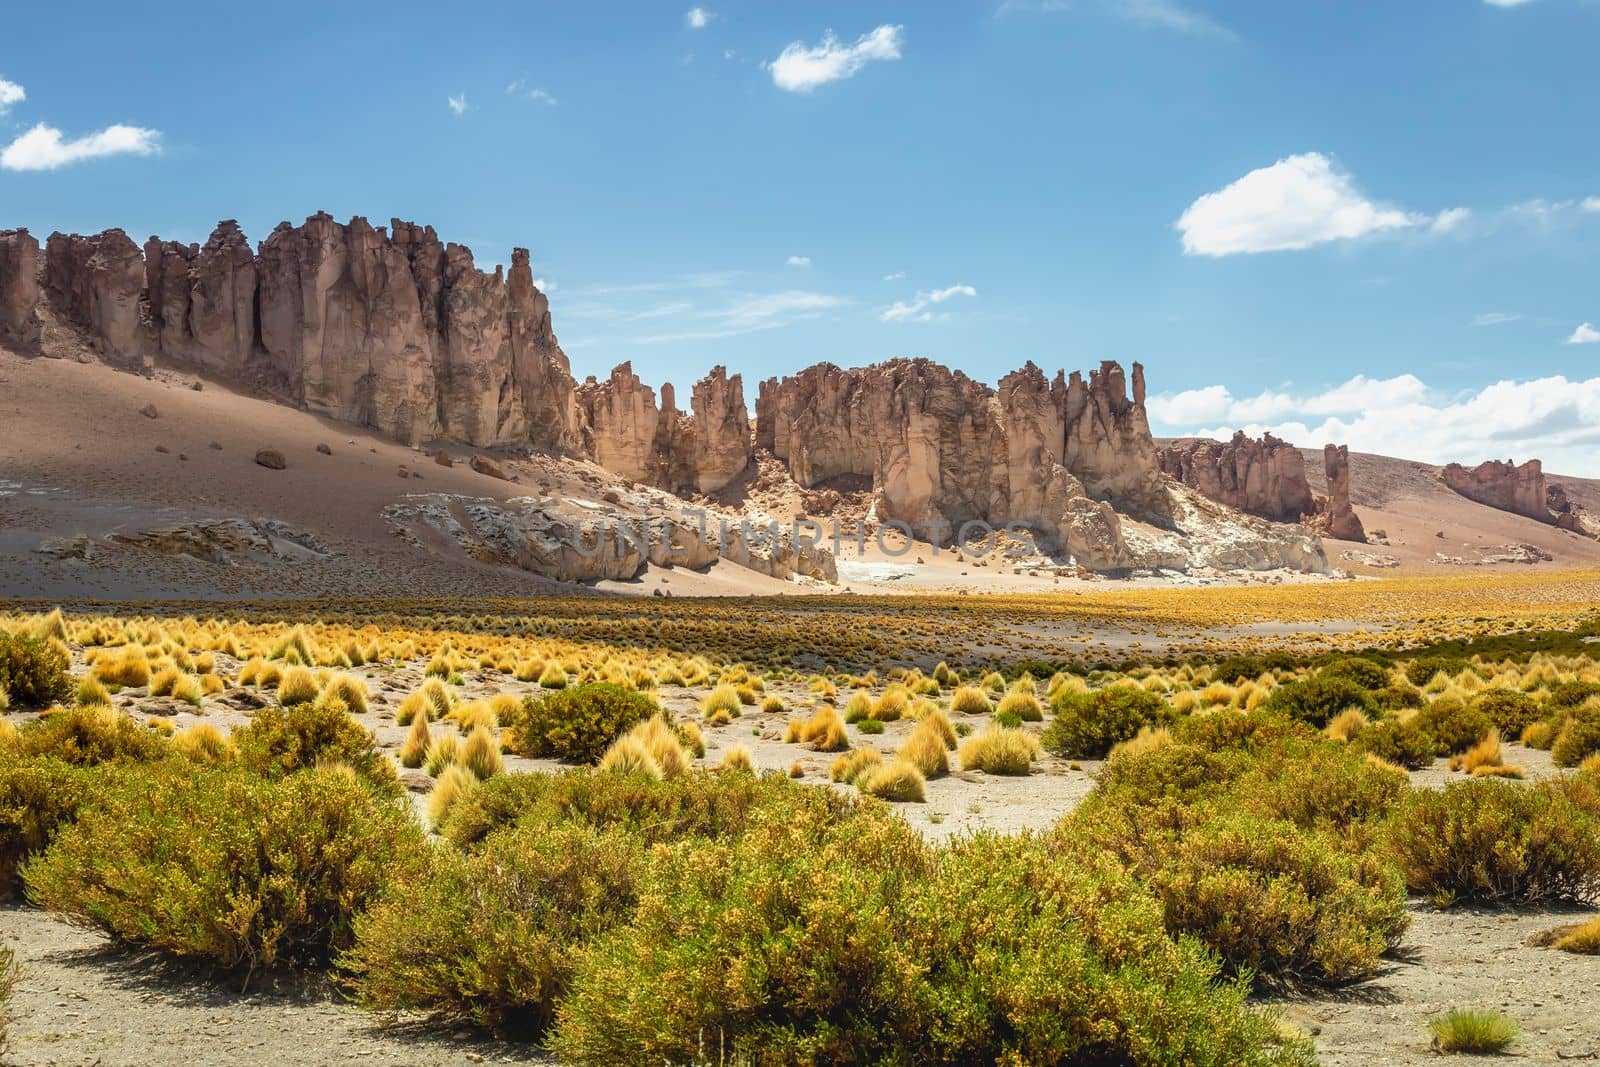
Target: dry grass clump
<point>444,752</point>
<point>204,743</point>
<point>129,669</point>
<point>553,677</point>
<point>1583,939</point>
<point>738,758</point>
<point>481,753</point>
<point>926,750</point>
<point>1023,704</point>
<point>91,693</point>
<point>349,690</point>
<point>852,767</point>
<point>454,784</point>
<point>1148,739</point>
<point>298,686</point>
<point>898,781</point>
<point>723,701</point>
<point>653,747</point>
<point>414,749</point>
<point>858,707</point>
<point>1477,1033</point>
<point>999,750</point>
<point>1484,759</point>
<point>970,701</point>
<point>894,704</point>
<point>772,704</point>
<point>1347,725</point>
<point>824,731</point>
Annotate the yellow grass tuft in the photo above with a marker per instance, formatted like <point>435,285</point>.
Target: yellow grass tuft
<point>824,731</point>
<point>897,781</point>
<point>738,758</point>
<point>298,686</point>
<point>1347,725</point>
<point>1148,739</point>
<point>926,751</point>
<point>481,753</point>
<point>999,750</point>
<point>852,766</point>
<point>418,739</point>
<point>1023,704</point>
<point>970,701</point>
<point>455,783</point>
<point>723,700</point>
<point>204,743</point>
<point>444,752</point>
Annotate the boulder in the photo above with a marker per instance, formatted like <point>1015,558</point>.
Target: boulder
<point>486,465</point>
<point>271,459</point>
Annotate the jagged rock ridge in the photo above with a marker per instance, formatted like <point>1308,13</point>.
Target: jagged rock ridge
<point>1265,477</point>
<point>400,332</point>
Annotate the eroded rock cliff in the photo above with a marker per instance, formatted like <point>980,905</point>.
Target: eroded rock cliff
<point>1265,477</point>
<point>19,289</point>
<point>1335,517</point>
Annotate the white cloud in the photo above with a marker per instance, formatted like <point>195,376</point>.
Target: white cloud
<point>1590,203</point>
<point>1507,3</point>
<point>798,261</point>
<point>697,18</point>
<point>10,93</point>
<point>1495,318</point>
<point>800,69</point>
<point>458,103</point>
<point>1296,203</point>
<point>542,97</point>
<point>520,88</point>
<point>1585,334</point>
<point>896,276</point>
<point>747,313</point>
<point>1552,418</point>
<point>918,310</point>
<point>42,148</point>
<point>1449,219</point>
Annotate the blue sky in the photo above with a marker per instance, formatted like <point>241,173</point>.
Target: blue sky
<point>1343,221</point>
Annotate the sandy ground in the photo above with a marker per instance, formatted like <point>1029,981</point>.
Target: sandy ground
<point>1462,958</point>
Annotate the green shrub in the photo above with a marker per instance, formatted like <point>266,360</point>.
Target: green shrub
<point>799,943</point>
<point>1172,772</point>
<point>1317,699</point>
<point>1452,725</point>
<point>1272,899</point>
<point>90,736</point>
<point>38,794</point>
<point>1401,694</point>
<point>1217,730</point>
<point>1420,670</point>
<point>494,936</point>
<point>1087,725</point>
<point>1363,672</point>
<point>693,805</point>
<point>33,673</point>
<point>283,740</point>
<point>1571,694</point>
<point>227,866</point>
<point>1509,710</point>
<point>577,724</point>
<point>1402,743</point>
<point>1578,738</point>
<point>1325,787</point>
<point>1493,841</point>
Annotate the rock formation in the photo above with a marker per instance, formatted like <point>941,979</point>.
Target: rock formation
<point>1506,486</point>
<point>397,331</point>
<point>943,450</point>
<point>98,283</point>
<point>628,435</point>
<point>19,289</point>
<point>1265,477</point>
<point>1334,516</point>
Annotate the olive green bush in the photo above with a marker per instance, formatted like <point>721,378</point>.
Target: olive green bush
<point>33,672</point>
<point>280,741</point>
<point>38,794</point>
<point>577,724</point>
<point>1087,725</point>
<point>1319,698</point>
<point>1493,841</point>
<point>224,865</point>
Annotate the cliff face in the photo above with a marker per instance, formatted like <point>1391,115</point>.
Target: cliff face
<point>942,449</point>
<point>19,289</point>
<point>627,434</point>
<point>1265,477</point>
<point>1520,490</point>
